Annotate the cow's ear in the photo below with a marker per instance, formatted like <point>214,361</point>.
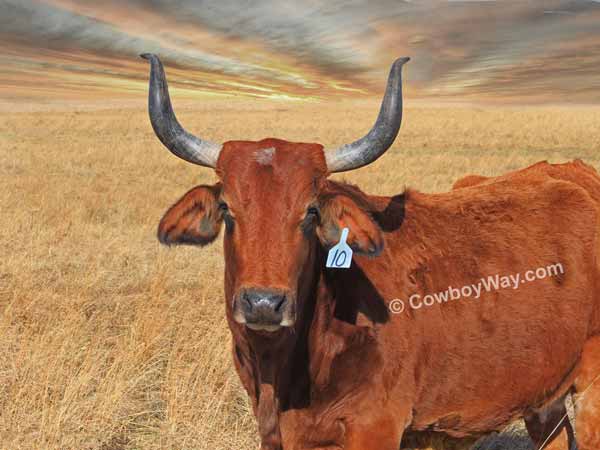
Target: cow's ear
<point>195,219</point>
<point>341,211</point>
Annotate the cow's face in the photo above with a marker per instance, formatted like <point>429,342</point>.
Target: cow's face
<point>276,204</point>
<point>277,207</point>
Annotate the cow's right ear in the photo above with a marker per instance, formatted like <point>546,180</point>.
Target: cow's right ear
<point>195,219</point>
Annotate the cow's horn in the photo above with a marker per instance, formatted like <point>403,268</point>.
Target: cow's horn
<point>374,144</point>
<point>165,124</point>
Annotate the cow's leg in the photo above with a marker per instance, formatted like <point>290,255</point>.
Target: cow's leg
<point>551,429</point>
<point>587,401</point>
<point>427,441</point>
<point>382,432</point>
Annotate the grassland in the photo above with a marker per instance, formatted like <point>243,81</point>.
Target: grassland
<point>107,340</point>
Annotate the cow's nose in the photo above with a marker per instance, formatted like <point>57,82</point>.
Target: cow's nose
<point>263,307</point>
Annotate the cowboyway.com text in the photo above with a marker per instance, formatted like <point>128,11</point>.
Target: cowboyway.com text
<point>476,290</point>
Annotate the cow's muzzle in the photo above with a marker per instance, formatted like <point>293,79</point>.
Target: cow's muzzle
<point>264,309</point>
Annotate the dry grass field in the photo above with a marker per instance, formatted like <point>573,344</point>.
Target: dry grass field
<point>109,341</point>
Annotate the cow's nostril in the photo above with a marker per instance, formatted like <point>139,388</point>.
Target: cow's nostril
<point>280,303</point>
<point>247,300</point>
<point>263,307</point>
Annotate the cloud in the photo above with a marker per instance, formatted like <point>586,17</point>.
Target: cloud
<point>308,49</point>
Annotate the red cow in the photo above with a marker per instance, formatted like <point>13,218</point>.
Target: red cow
<point>325,362</point>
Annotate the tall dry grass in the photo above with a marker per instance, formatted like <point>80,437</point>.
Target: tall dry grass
<point>108,341</point>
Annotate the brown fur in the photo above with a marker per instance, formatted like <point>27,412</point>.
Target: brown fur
<point>553,427</point>
<point>349,374</point>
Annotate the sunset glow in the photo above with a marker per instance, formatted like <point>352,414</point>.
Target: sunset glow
<point>510,51</point>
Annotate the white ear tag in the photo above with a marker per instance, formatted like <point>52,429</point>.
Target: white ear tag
<point>340,256</point>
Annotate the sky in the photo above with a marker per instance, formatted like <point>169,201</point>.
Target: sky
<point>525,51</point>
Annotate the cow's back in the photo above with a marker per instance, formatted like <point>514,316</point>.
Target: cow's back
<point>575,171</point>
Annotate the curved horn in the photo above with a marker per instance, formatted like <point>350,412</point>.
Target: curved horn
<point>374,144</point>
<point>165,124</point>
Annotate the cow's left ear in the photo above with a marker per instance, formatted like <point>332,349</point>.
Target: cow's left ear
<point>195,219</point>
<point>342,211</point>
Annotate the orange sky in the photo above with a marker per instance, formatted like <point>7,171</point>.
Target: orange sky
<point>510,51</point>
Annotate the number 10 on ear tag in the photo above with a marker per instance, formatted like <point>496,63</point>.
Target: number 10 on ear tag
<point>340,256</point>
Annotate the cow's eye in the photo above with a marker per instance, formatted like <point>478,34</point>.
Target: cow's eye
<point>311,220</point>
<point>226,214</point>
<point>313,213</point>
<point>223,207</point>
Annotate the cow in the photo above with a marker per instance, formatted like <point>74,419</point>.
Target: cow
<point>558,423</point>
<point>336,358</point>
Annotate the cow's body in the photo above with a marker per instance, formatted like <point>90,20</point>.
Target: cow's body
<point>325,362</point>
<point>466,367</point>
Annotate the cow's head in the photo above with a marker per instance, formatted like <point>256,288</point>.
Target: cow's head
<point>275,203</point>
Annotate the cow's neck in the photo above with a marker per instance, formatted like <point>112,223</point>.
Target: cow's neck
<point>334,329</point>
<point>280,365</point>
<point>284,376</point>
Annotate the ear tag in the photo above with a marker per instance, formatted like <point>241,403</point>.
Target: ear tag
<point>340,256</point>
